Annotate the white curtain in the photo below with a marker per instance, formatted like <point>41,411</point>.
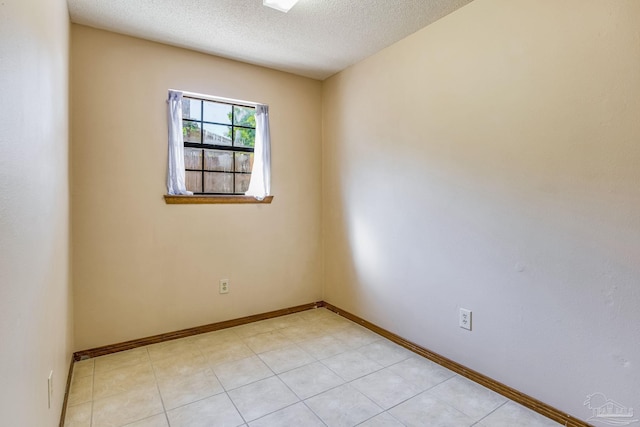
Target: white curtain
<point>260,184</point>
<point>175,168</point>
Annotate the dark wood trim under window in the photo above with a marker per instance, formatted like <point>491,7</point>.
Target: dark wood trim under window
<point>214,199</point>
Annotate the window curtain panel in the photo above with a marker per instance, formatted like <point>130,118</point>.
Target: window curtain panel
<point>260,184</point>
<point>175,167</point>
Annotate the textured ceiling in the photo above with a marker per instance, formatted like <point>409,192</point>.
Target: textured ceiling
<point>317,38</point>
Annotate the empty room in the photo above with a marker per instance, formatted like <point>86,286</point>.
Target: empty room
<point>319,213</point>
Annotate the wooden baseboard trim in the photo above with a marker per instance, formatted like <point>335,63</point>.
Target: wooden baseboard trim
<point>63,414</point>
<point>508,392</point>
<point>128,345</point>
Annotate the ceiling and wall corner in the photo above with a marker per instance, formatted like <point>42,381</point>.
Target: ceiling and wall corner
<point>112,81</point>
<point>316,39</point>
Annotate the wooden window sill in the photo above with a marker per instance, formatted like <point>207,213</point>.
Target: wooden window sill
<point>212,200</point>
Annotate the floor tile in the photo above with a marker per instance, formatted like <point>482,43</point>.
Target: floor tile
<point>268,341</point>
<point>124,408</point>
<point>262,397</point>
<point>159,420</point>
<point>83,368</point>
<point>425,410</point>
<point>242,372</point>
<point>333,324</point>
<point>226,352</point>
<point>385,352</point>
<point>311,379</point>
<point>116,381</point>
<point>316,314</point>
<point>299,333</point>
<point>324,347</point>
<point>514,415</point>
<point>181,390</point>
<point>78,416</point>
<point>343,406</point>
<point>421,372</point>
<point>351,365</point>
<point>251,329</point>
<point>286,358</point>
<point>81,390</point>
<point>121,359</point>
<point>215,411</point>
<point>188,364</point>
<point>172,348</point>
<point>385,388</point>
<point>356,336</point>
<point>467,397</point>
<point>314,354</point>
<point>285,321</point>
<point>214,338</point>
<point>295,415</point>
<point>383,420</point>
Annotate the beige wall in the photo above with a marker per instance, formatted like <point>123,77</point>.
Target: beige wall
<point>142,267</point>
<point>492,161</point>
<point>35,294</point>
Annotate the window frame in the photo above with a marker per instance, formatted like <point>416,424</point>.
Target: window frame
<point>226,198</point>
<point>233,148</point>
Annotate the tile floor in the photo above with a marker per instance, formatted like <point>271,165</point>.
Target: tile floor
<point>312,368</point>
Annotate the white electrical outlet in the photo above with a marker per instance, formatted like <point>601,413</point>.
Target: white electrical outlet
<point>224,286</point>
<point>50,389</point>
<point>464,318</point>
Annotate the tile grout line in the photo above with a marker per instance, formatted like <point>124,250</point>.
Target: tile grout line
<point>277,375</point>
<point>439,399</point>
<point>236,407</point>
<point>93,384</point>
<point>491,412</point>
<point>383,367</point>
<point>154,370</point>
<point>155,376</point>
<point>385,411</point>
<point>227,391</point>
<point>209,364</point>
<point>304,402</point>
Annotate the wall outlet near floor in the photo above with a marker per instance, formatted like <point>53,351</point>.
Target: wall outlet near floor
<point>50,389</point>
<point>224,286</point>
<point>464,318</point>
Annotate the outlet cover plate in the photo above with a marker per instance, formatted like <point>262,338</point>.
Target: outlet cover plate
<point>464,319</point>
<point>224,286</point>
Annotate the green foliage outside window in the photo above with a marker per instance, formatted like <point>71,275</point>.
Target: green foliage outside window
<point>244,117</point>
<point>189,127</point>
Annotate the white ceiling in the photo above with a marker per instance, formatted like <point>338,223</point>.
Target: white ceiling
<point>316,39</point>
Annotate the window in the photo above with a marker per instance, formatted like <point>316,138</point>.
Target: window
<point>219,140</point>
<point>225,145</point>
